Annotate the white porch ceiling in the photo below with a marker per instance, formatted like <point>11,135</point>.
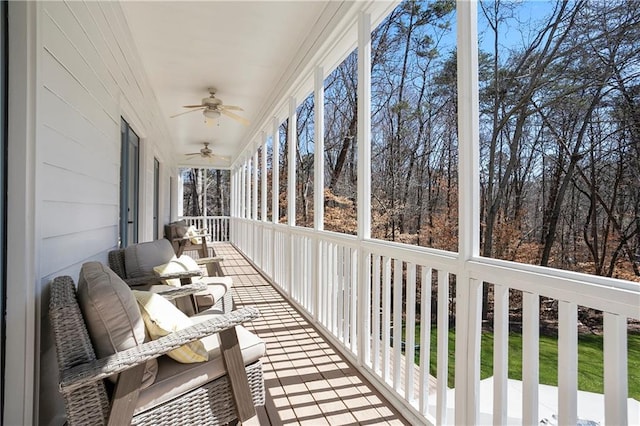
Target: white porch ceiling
<point>242,48</point>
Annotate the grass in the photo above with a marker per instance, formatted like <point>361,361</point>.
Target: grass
<point>590,360</point>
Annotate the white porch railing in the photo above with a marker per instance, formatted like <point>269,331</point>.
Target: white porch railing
<point>320,272</point>
<point>217,226</point>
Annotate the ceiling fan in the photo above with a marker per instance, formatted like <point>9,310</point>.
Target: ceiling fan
<point>213,107</point>
<point>207,153</point>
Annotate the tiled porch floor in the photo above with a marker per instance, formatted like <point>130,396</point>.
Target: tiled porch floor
<point>307,381</point>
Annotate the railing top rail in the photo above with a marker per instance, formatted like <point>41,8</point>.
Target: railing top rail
<point>204,217</point>
<point>606,294</point>
<point>416,254</point>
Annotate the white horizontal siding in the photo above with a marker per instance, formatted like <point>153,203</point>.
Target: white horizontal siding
<point>81,217</point>
<point>78,247</point>
<point>63,45</point>
<point>100,166</point>
<point>89,75</point>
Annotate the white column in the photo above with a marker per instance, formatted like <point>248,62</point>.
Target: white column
<point>23,281</point>
<point>180,198</point>
<point>291,175</point>
<point>247,191</point>
<point>204,193</point>
<point>241,188</point>
<point>469,291</point>
<point>236,193</point>
<point>275,173</point>
<point>318,184</point>
<point>291,189</point>
<point>254,214</point>
<point>318,166</point>
<point>264,178</point>
<point>233,235</point>
<point>232,188</point>
<point>364,182</point>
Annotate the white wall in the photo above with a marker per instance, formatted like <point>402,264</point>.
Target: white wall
<point>87,74</point>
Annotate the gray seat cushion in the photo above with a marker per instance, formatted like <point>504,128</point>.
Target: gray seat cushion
<point>139,259</point>
<point>111,314</point>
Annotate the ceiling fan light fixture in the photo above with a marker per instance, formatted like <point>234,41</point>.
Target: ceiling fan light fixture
<point>211,113</point>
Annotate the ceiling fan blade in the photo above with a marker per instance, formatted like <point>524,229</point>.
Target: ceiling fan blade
<point>236,117</point>
<point>221,157</point>
<point>186,112</point>
<point>193,153</point>
<point>231,107</point>
<point>193,106</point>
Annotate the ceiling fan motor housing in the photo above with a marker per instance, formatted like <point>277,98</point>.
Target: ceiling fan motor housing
<point>211,101</point>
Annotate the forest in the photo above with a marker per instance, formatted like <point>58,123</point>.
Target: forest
<point>559,135</point>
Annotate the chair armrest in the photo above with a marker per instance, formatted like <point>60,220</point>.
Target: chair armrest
<point>178,239</point>
<point>207,260</point>
<point>87,373</point>
<point>155,279</point>
<point>182,274</point>
<point>184,290</point>
<point>147,279</point>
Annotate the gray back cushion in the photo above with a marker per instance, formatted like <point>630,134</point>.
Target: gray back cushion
<point>139,259</point>
<point>111,314</point>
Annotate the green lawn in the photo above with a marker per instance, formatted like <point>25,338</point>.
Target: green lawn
<point>590,363</point>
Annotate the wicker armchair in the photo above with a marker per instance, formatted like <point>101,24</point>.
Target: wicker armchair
<point>89,399</point>
<point>176,233</point>
<point>135,263</point>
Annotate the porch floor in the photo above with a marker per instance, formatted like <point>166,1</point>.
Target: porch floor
<point>307,381</point>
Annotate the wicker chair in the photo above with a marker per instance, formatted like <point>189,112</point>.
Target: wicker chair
<point>175,232</point>
<point>87,395</point>
<point>146,255</point>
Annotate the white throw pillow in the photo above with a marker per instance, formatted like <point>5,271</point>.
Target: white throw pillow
<point>192,232</point>
<point>177,264</point>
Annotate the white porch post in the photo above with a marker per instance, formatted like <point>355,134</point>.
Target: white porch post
<point>264,243</point>
<point>23,292</point>
<point>236,193</point>
<point>247,191</point>
<point>318,184</point>
<point>254,214</point>
<point>291,188</point>
<point>204,192</point>
<point>275,174</point>
<point>242,188</point>
<point>291,175</point>
<point>275,195</point>
<point>364,183</point>
<point>468,290</point>
<point>232,195</point>
<point>232,198</point>
<point>180,190</point>
<point>248,228</point>
<point>318,158</point>
<point>263,183</point>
